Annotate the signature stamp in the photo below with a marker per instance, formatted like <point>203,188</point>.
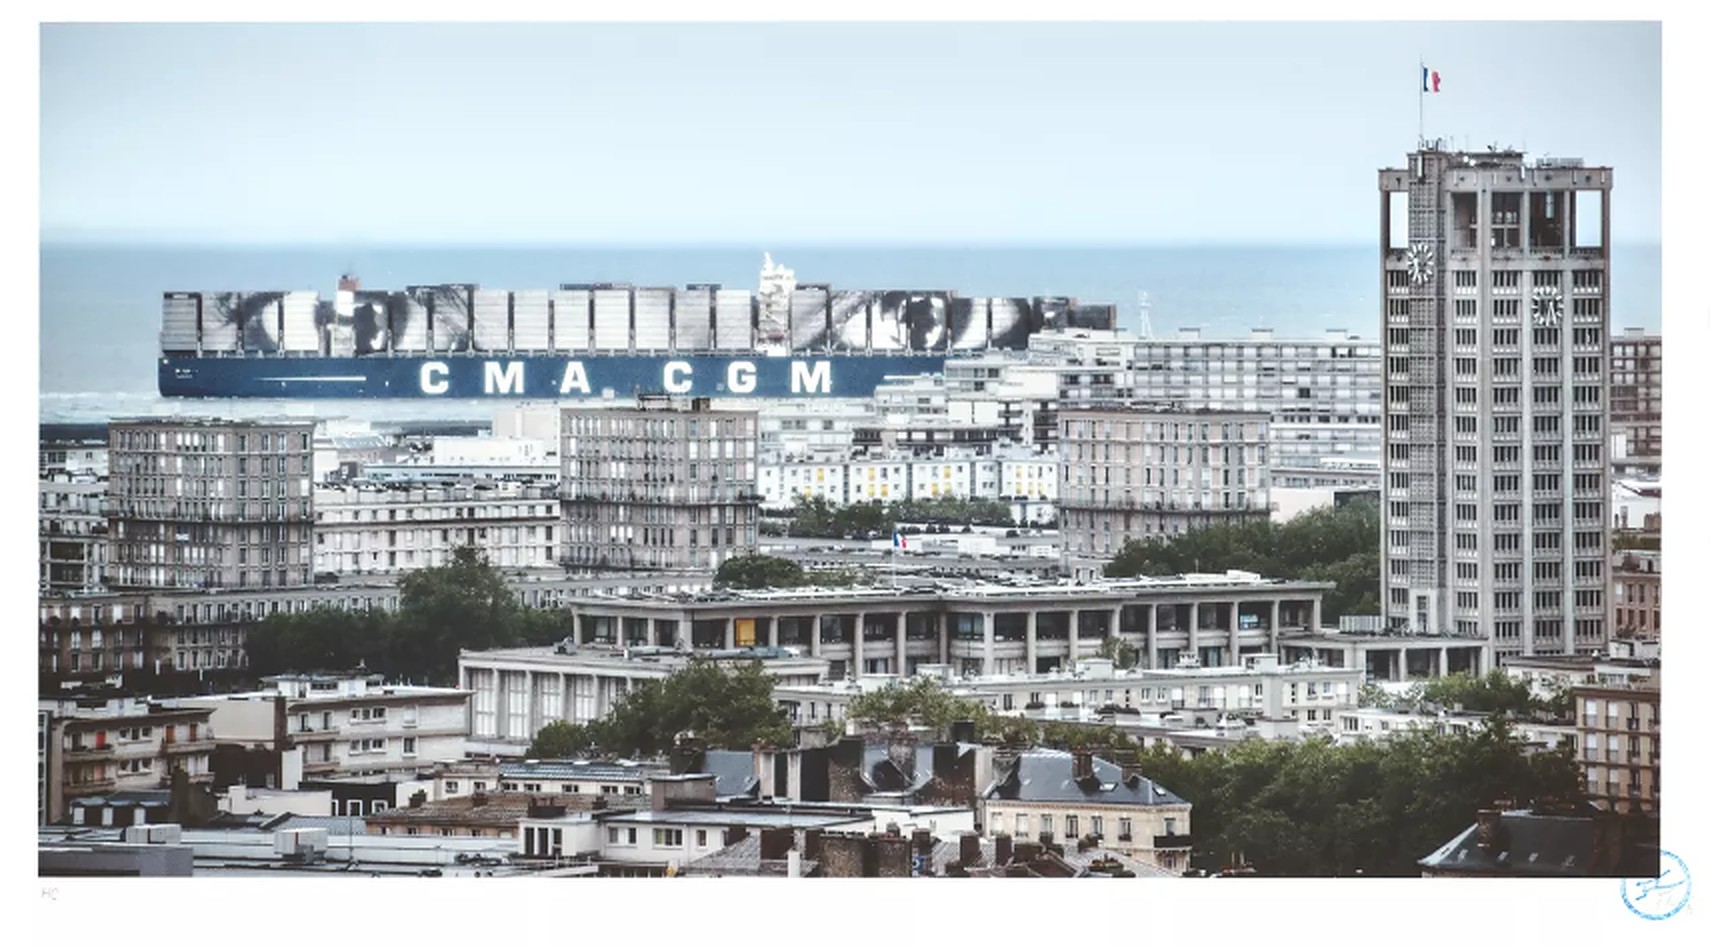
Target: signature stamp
<point>1662,896</point>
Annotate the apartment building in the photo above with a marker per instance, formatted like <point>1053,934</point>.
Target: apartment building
<point>1635,394</point>
<point>1127,473</point>
<point>346,724</point>
<point>106,744</point>
<point>1620,741</point>
<point>378,529</point>
<point>71,524</point>
<point>207,503</point>
<point>1495,287</point>
<point>669,484</point>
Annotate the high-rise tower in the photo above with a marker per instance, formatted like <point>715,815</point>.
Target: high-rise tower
<point>1495,313</point>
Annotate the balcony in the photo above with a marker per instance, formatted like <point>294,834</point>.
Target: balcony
<point>187,747</point>
<point>88,753</point>
<point>1168,841</point>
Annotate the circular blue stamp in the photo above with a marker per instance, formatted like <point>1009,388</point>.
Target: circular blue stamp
<point>1662,896</point>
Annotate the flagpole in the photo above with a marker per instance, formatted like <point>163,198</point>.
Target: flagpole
<point>1421,101</point>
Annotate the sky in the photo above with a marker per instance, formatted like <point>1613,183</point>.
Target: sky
<point>809,133</point>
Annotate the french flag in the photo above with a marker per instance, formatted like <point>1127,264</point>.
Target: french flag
<point>897,541</point>
<point>1429,81</point>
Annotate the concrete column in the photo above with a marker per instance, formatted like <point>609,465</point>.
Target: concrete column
<point>729,633</point>
<point>576,627</point>
<point>988,620</point>
<point>1314,614</point>
<point>533,702</point>
<point>1443,663</point>
<point>902,643</point>
<point>941,624</point>
<point>1074,639</point>
<point>653,632</point>
<point>1152,637</point>
<point>1032,640</point>
<point>772,631</point>
<point>816,626</point>
<point>1276,621</point>
<point>1399,656</point>
<point>1193,630</point>
<point>860,632</point>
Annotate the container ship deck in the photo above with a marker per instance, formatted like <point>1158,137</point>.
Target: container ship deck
<point>460,340</point>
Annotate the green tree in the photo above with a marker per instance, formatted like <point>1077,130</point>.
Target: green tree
<point>465,604</point>
<point>723,708</point>
<point>560,740</point>
<point>322,639</point>
<point>1337,544</point>
<point>1123,653</point>
<point>758,571</point>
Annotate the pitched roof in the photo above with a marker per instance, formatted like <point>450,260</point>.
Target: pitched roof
<point>732,771</point>
<point>742,859</point>
<point>1047,775</point>
<point>1530,845</point>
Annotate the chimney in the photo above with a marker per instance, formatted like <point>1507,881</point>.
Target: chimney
<point>418,799</point>
<point>969,849</point>
<point>1489,831</point>
<point>1083,765</point>
<point>776,843</point>
<point>479,800</point>
<point>1005,850</point>
<point>923,842</point>
<point>1129,759</point>
<point>734,834</point>
<point>962,730</point>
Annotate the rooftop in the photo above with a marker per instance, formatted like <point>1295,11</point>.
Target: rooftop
<point>1047,775</point>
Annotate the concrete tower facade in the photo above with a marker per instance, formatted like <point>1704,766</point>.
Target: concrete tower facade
<point>1495,287</point>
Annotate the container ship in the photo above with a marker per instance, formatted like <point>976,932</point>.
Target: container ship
<point>460,340</point>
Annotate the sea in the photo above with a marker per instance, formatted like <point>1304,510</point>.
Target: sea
<point>100,304</point>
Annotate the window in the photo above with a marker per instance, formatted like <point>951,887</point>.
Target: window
<point>409,745</point>
<point>701,837</point>
<point>667,837</point>
<point>1169,827</point>
<point>1098,825</point>
<point>451,788</point>
<point>1021,826</point>
<point>1045,824</point>
<point>1071,826</point>
<point>1125,829</point>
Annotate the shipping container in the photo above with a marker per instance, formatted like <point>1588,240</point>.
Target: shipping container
<point>653,320</point>
<point>735,320</point>
<point>970,324</point>
<point>1011,323</point>
<point>180,321</point>
<point>531,326</point>
<point>571,313</point>
<point>810,318</point>
<point>300,330</point>
<point>492,322</point>
<point>692,325</point>
<point>612,319</point>
<point>851,313</point>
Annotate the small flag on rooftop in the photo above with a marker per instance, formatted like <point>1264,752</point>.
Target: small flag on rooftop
<point>1429,81</point>
<point>897,541</point>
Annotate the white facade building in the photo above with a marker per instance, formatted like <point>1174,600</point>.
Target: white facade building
<point>378,530</point>
<point>347,725</point>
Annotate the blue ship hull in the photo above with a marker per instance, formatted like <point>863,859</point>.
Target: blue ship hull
<point>464,375</point>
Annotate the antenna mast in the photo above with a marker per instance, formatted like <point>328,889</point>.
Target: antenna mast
<point>1145,317</point>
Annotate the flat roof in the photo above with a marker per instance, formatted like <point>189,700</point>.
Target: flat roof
<point>740,816</point>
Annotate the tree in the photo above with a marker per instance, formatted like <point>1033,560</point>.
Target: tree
<point>723,708</point>
<point>323,639</point>
<point>1337,544</point>
<point>1123,653</point>
<point>560,740</point>
<point>758,571</point>
<point>465,604</point>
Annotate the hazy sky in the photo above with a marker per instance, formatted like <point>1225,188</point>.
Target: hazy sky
<point>1029,133</point>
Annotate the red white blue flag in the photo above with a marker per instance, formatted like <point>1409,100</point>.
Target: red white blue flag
<point>897,541</point>
<point>1429,81</point>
